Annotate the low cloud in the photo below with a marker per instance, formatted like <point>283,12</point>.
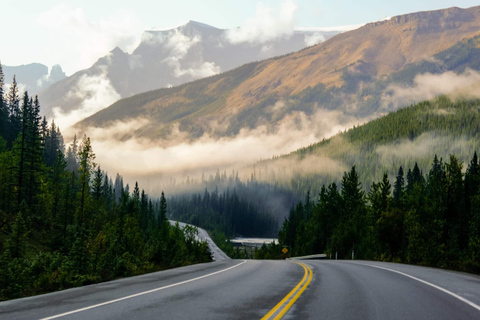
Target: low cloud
<point>177,157</point>
<point>284,169</point>
<point>427,86</point>
<point>96,93</point>
<point>425,145</point>
<point>268,24</point>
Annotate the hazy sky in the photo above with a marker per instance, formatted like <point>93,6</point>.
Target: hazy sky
<point>75,33</point>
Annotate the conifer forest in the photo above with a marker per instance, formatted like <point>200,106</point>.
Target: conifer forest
<point>63,221</point>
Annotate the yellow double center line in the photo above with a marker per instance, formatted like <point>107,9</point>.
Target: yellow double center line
<point>283,306</point>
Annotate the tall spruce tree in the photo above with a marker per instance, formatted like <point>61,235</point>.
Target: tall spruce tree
<point>14,114</point>
<point>162,216</point>
<point>87,165</point>
<point>3,107</point>
<point>398,190</point>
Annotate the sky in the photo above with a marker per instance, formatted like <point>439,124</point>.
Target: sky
<point>75,33</point>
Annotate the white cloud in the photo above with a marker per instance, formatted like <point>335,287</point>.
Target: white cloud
<point>268,24</point>
<point>79,41</point>
<point>314,38</point>
<point>178,156</point>
<point>96,93</point>
<point>135,61</point>
<point>179,46</point>
<point>425,145</point>
<point>427,86</point>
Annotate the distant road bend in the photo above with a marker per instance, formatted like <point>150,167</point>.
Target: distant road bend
<point>238,289</point>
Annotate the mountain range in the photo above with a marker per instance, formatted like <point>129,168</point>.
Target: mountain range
<point>362,73</point>
<point>33,77</point>
<point>166,58</point>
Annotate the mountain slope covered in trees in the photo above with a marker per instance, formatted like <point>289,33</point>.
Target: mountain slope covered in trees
<point>402,138</point>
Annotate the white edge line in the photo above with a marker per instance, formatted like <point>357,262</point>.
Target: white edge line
<point>476,306</point>
<point>142,293</point>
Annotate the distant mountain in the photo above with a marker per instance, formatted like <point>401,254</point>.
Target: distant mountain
<point>167,58</point>
<point>33,77</point>
<point>361,73</point>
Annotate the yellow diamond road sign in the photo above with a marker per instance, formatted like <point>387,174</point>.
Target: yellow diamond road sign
<point>285,250</point>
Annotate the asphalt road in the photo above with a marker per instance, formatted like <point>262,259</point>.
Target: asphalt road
<point>237,289</point>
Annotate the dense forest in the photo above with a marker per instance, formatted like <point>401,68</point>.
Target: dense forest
<point>430,219</point>
<point>225,212</point>
<point>63,221</point>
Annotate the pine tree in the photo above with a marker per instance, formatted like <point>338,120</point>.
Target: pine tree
<point>353,224</point>
<point>86,158</point>
<point>3,107</point>
<point>162,217</point>
<point>398,190</point>
<point>58,183</point>
<point>456,220</point>
<point>52,143</point>
<point>97,184</point>
<point>434,219</point>
<point>21,146</point>
<point>14,115</point>
<point>35,150</point>
<point>118,187</point>
<point>72,155</point>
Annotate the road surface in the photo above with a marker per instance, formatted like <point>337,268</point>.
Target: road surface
<point>240,289</point>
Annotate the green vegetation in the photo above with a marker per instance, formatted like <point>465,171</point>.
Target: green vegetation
<point>431,219</point>
<point>401,138</point>
<point>63,222</point>
<point>225,213</point>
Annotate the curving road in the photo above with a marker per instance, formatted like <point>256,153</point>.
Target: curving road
<point>238,289</point>
<point>218,255</point>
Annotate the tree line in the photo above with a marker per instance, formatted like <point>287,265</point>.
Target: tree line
<point>224,212</point>
<point>63,221</point>
<point>429,219</point>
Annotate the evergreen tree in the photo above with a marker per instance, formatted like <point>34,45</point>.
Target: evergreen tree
<point>97,184</point>
<point>399,189</point>
<point>455,215</point>
<point>21,148</point>
<point>3,108</point>
<point>353,225</point>
<point>72,155</point>
<point>35,151</point>
<point>162,217</point>
<point>14,115</point>
<point>86,158</point>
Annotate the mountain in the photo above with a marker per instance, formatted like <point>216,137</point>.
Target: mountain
<point>167,58</point>
<point>361,73</point>
<point>33,77</point>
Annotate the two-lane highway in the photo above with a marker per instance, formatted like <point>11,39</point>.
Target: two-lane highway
<point>231,289</point>
<point>238,289</point>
